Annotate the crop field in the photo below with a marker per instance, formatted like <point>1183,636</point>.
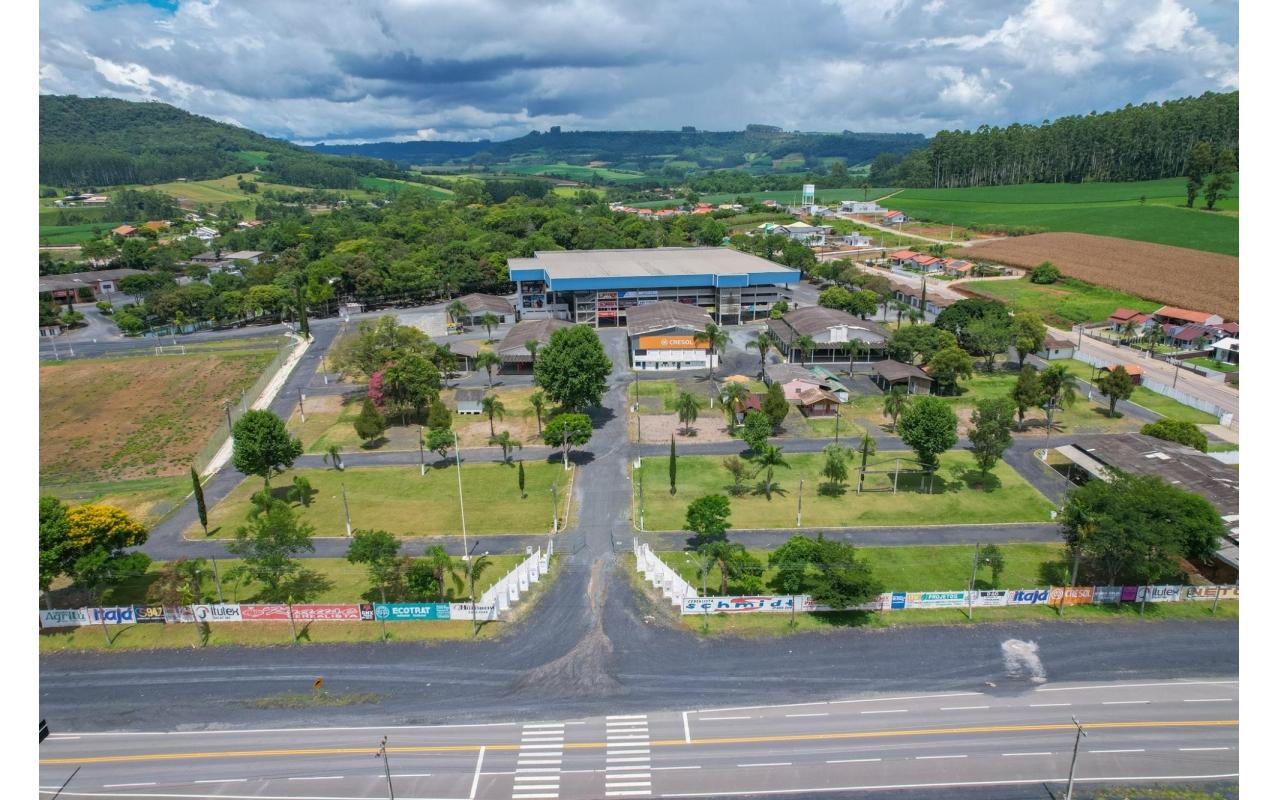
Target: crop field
<point>138,417</point>
<point>392,185</point>
<point>74,234</point>
<point>1173,275</point>
<point>1061,304</point>
<point>1146,211</point>
<point>216,191</point>
<point>574,172</point>
<point>788,196</point>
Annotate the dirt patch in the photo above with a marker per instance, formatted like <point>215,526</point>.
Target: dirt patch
<point>583,671</point>
<point>136,417</point>
<point>1175,275</point>
<point>659,428</point>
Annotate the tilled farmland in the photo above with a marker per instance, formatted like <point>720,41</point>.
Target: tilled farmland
<point>1174,275</point>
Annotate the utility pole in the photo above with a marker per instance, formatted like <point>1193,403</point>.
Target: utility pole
<point>799,502</point>
<point>226,407</point>
<point>217,580</point>
<point>422,456</point>
<point>555,509</point>
<point>386,763</point>
<point>346,509</point>
<point>301,411</point>
<point>462,509</point>
<point>1075,751</point>
<point>973,578</point>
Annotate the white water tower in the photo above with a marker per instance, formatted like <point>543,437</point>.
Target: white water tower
<point>806,195</point>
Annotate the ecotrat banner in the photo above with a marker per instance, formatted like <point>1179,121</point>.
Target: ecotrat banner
<point>396,612</point>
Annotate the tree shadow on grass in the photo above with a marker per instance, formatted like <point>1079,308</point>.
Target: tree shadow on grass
<point>302,586</point>
<point>845,619</point>
<point>374,444</point>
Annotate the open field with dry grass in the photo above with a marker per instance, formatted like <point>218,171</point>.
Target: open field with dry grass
<point>141,417</point>
<point>1174,275</point>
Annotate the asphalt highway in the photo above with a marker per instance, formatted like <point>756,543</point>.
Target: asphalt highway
<point>1185,730</point>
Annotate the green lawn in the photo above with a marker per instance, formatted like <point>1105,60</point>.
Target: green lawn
<point>75,234</point>
<point>1153,401</point>
<point>956,497</point>
<point>667,392</point>
<point>1064,303</point>
<point>147,500</point>
<point>1106,209</point>
<point>574,172</point>
<point>914,568</point>
<point>1209,363</point>
<point>393,185</point>
<point>399,500</point>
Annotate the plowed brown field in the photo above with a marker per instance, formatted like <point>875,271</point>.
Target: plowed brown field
<point>1174,275</point>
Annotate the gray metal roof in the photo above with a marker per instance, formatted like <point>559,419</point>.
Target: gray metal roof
<point>892,370</point>
<point>512,348</point>
<point>1182,466</point>
<point>816,319</point>
<point>74,280</point>
<point>784,373</point>
<point>469,395</point>
<point>647,261</point>
<point>665,314</point>
<point>479,303</point>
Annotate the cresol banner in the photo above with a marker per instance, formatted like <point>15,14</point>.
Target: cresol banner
<point>221,612</point>
<point>1071,596</point>
<point>397,612</point>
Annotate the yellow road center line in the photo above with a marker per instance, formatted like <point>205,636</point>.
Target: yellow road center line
<point>797,737</point>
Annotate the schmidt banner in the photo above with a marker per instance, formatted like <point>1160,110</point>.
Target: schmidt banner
<point>398,612</point>
<point>749,605</point>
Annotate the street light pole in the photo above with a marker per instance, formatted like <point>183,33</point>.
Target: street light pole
<point>422,456</point>
<point>301,411</point>
<point>555,508</point>
<point>799,502</point>
<point>462,508</point>
<point>973,578</point>
<point>346,510</point>
<point>382,753</point>
<point>226,407</point>
<point>1075,751</point>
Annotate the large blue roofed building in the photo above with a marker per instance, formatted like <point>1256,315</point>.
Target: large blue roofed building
<point>596,287</point>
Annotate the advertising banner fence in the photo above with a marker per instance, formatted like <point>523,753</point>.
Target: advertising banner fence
<point>222,612</point>
<point>149,614</point>
<point>936,599</point>
<point>1071,596</point>
<point>64,617</point>
<point>393,612</point>
<point>989,598</point>
<point>1027,597</point>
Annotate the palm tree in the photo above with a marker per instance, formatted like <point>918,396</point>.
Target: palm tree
<point>716,341</point>
<point>852,348</point>
<point>487,360</point>
<point>473,568</point>
<point>1128,330</point>
<point>687,409</point>
<point>770,457</point>
<point>493,407</point>
<point>334,455</point>
<point>916,316</point>
<point>442,566</point>
<point>762,344</point>
<point>532,346</point>
<point>767,486</point>
<point>895,402</point>
<point>731,396</point>
<point>901,308</point>
<point>806,345</point>
<point>539,403</point>
<point>507,443</point>
<point>456,311</point>
<point>488,319</point>
<point>1153,337</point>
<point>1059,391</point>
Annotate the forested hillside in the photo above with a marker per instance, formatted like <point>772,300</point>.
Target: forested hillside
<point>645,149</point>
<point>1134,143</point>
<point>101,141</point>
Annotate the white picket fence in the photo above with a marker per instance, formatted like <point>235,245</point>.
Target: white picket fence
<point>506,591</point>
<point>663,577</point>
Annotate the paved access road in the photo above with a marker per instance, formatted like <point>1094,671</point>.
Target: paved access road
<point>1136,731</point>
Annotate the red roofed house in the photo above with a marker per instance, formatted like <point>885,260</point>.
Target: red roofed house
<point>927,263</point>
<point>956,267</point>
<point>1122,316</point>
<point>894,217</point>
<point>124,230</point>
<point>817,402</point>
<point>1171,315</point>
<point>902,256</point>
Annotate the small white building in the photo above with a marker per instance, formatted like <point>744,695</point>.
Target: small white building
<point>205,234</point>
<point>804,233</point>
<point>860,207</point>
<point>1227,350</point>
<point>856,239</point>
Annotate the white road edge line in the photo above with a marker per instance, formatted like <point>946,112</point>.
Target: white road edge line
<point>687,738</point>
<point>926,758</point>
<point>318,778</point>
<point>223,780</point>
<point>1132,686</point>
<point>962,708</point>
<point>946,785</point>
<point>886,711</point>
<point>1046,705</point>
<point>1125,702</point>
<point>1210,700</point>
<point>719,719</point>
<point>815,714</point>
<point>1197,749</point>
<point>656,769</point>
<point>122,785</point>
<point>1121,750</point>
<point>1045,753</point>
<point>767,764</point>
<point>842,702</point>
<point>852,760</point>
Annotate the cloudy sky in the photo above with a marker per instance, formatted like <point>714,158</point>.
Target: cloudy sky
<point>358,70</point>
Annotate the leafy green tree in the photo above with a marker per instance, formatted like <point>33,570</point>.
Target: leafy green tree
<point>1199,162</point>
<point>202,511</point>
<point>895,402</point>
<point>55,543</point>
<point>836,297</point>
<point>738,470</point>
<point>687,411</point>
<point>791,563</point>
<point>1058,388</point>
<point>775,405</point>
<point>947,367</point>
<point>301,492</point>
<point>1187,433</point>
<point>567,431</point>
<point>1137,528</point>
<point>520,479</point>
<point>1027,392</point>
<point>992,556</point>
<point>574,368</point>
<point>267,545</point>
<point>1115,385</point>
<point>1223,177</point>
<point>507,443</point>
<point>806,345</point>
<point>412,381</point>
<point>734,563</point>
<point>1045,272</point>
<point>990,431</point>
<point>838,579</point>
<point>756,430</point>
<point>835,468</point>
<point>715,339</point>
<point>370,424</point>
<point>457,311</point>
<point>988,336</point>
<point>379,552</point>
<point>928,426</point>
<point>919,342</point>
<point>487,360</point>
<point>707,518</point>
<point>1028,334</point>
<point>439,416</point>
<point>262,446</point>
<point>440,441</point>
<point>493,407</point>
<point>439,566</point>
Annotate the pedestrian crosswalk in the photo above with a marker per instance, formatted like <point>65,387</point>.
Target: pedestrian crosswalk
<point>626,769</point>
<point>538,762</point>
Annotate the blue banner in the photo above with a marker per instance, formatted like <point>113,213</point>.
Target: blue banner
<point>396,612</point>
<point>898,600</point>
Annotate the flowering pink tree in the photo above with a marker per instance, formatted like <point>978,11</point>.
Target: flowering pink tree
<point>375,390</point>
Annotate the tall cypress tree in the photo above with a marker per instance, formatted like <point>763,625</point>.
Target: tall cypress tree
<point>520,477</point>
<point>201,509</point>
<point>671,464</point>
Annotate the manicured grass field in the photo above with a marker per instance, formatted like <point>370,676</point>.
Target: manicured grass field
<point>956,497</point>
<point>1164,406</point>
<point>1106,209</point>
<point>74,234</point>
<point>1209,363</point>
<point>1061,304</point>
<point>147,500</point>
<point>400,500</point>
<point>914,568</point>
<point>138,417</point>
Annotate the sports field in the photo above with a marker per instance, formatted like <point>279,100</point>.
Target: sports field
<point>1147,211</point>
